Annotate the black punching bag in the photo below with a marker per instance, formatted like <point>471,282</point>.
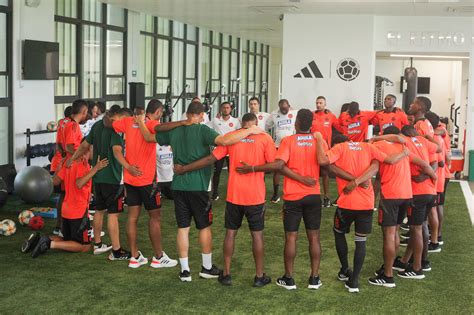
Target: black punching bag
<point>411,80</point>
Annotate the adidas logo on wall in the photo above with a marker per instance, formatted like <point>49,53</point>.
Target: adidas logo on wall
<point>310,71</point>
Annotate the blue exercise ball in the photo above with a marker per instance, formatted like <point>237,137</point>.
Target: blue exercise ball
<point>33,184</point>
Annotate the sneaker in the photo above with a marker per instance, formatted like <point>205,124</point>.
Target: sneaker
<point>351,288</point>
<point>405,227</point>
<point>31,242</point>
<point>344,275</point>
<point>225,280</point>
<point>163,262</point>
<point>404,243</point>
<point>326,202</point>
<point>262,281</point>
<point>119,254</point>
<point>56,231</point>
<point>379,271</point>
<point>137,262</point>
<point>405,236</point>
<point>425,265</point>
<point>101,248</point>
<point>399,265</point>
<point>314,283</point>
<point>409,273</point>
<point>212,273</point>
<point>334,203</point>
<point>434,248</point>
<point>215,197</point>
<point>185,276</point>
<point>275,198</point>
<point>440,240</point>
<point>91,233</point>
<point>44,243</point>
<point>286,282</point>
<point>383,281</point>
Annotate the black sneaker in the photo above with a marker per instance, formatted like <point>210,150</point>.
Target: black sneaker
<point>212,273</point>
<point>56,231</point>
<point>425,265</point>
<point>434,248</point>
<point>185,276</point>
<point>382,280</point>
<point>120,254</point>
<point>286,282</point>
<point>405,236</point>
<point>275,198</point>
<point>215,197</point>
<point>344,275</point>
<point>350,287</point>
<point>44,243</point>
<point>405,227</point>
<point>262,281</point>
<point>225,280</point>
<point>440,240</point>
<point>404,243</point>
<point>30,243</point>
<point>399,265</point>
<point>409,273</point>
<point>380,271</point>
<point>314,283</point>
<point>326,202</point>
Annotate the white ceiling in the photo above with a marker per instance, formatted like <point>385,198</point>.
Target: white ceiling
<point>260,19</point>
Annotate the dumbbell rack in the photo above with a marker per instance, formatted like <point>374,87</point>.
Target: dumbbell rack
<point>28,134</point>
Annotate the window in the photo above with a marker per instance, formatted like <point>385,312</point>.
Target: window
<point>6,134</point>
<point>255,73</point>
<point>220,68</point>
<point>168,61</point>
<point>92,52</point>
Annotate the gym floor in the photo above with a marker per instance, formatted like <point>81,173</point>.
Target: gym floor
<point>82,283</point>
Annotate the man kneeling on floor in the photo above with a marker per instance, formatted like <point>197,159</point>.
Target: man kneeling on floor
<point>75,223</point>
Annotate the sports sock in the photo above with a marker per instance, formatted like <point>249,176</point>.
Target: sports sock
<point>341,248</point>
<point>359,256</point>
<point>98,244</point>
<point>207,260</point>
<point>275,189</point>
<point>184,264</point>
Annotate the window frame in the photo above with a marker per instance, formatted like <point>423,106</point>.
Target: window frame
<point>104,27</point>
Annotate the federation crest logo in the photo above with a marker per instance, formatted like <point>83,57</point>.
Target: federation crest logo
<point>290,116</point>
<point>231,125</point>
<point>348,69</point>
<point>260,117</point>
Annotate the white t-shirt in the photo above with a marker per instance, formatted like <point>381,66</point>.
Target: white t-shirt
<point>262,119</point>
<point>204,122</point>
<point>224,126</point>
<point>164,163</point>
<point>87,126</point>
<point>284,125</point>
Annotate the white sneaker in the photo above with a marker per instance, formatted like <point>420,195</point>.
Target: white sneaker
<point>91,233</point>
<point>163,262</point>
<point>137,262</point>
<point>103,248</point>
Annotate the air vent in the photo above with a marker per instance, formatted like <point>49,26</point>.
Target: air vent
<point>467,9</point>
<point>275,10</point>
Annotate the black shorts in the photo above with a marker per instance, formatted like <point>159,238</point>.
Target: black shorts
<point>308,208</point>
<point>393,211</point>
<point>362,219</point>
<point>420,207</point>
<point>109,197</point>
<point>234,215</point>
<point>76,230</point>
<point>192,204</point>
<point>147,195</point>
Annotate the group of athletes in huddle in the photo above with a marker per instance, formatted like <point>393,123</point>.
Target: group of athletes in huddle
<point>410,156</point>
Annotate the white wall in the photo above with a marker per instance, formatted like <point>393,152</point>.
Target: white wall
<point>327,39</point>
<point>33,101</point>
<point>274,78</point>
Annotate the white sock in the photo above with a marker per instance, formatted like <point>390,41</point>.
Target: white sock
<point>207,260</point>
<point>184,264</point>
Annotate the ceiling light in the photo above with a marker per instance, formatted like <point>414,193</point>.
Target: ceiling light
<point>428,56</point>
